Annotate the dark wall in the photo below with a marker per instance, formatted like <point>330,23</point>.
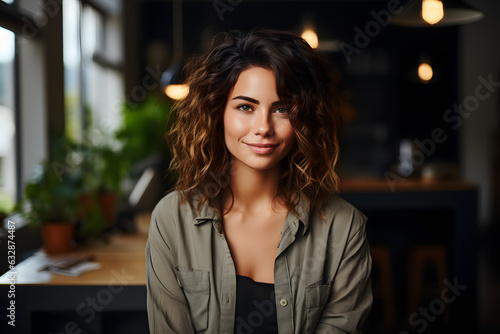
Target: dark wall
<point>378,78</point>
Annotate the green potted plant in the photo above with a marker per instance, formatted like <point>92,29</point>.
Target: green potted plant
<point>143,127</point>
<point>50,203</point>
<point>99,172</point>
<point>141,136</point>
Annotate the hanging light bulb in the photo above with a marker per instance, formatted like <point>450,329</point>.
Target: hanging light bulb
<point>310,36</point>
<point>425,72</point>
<point>177,91</point>
<point>432,11</point>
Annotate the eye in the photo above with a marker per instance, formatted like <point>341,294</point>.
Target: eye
<point>244,107</point>
<point>281,110</point>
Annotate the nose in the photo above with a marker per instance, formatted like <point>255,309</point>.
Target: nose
<point>262,124</point>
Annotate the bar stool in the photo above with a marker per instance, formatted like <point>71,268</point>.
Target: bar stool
<point>422,258</point>
<point>382,285</point>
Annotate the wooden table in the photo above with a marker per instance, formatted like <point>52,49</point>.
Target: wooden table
<point>122,253</point>
<point>111,299</point>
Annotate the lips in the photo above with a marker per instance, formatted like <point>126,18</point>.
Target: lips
<point>262,145</point>
<point>262,148</point>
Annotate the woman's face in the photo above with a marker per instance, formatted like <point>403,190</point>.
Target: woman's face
<point>257,129</point>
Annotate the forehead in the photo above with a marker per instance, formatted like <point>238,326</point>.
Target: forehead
<point>255,81</point>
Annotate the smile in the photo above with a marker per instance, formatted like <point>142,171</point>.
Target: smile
<point>262,148</point>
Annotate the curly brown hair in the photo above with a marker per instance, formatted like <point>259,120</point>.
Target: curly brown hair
<point>305,80</point>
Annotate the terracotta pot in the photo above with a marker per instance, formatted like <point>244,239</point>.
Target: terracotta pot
<point>87,203</point>
<point>57,237</point>
<point>107,202</point>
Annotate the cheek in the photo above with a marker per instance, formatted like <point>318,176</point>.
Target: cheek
<point>234,127</point>
<point>288,134</point>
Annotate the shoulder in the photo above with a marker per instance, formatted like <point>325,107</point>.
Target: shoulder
<point>172,211</point>
<point>174,206</point>
<point>336,205</point>
<point>343,215</point>
<point>166,206</point>
<point>163,215</point>
<point>174,201</point>
<point>168,202</point>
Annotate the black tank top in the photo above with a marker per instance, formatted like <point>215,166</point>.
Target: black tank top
<point>255,307</point>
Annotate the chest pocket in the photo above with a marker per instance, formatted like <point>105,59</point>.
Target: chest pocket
<point>196,286</point>
<point>317,295</point>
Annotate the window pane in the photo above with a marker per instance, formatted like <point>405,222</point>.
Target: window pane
<point>102,85</point>
<point>72,64</point>
<point>7,125</point>
<point>93,90</point>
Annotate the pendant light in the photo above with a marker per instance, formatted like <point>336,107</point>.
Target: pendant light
<point>431,13</point>
<point>171,78</point>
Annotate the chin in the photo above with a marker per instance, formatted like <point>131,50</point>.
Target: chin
<point>263,166</point>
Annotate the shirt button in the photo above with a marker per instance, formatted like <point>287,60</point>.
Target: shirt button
<point>283,302</point>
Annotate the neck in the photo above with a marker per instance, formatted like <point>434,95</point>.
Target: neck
<point>253,189</point>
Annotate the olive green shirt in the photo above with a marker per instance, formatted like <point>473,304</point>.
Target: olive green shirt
<point>322,271</point>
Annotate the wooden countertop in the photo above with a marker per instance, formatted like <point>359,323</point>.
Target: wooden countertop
<point>404,185</point>
<point>122,261</point>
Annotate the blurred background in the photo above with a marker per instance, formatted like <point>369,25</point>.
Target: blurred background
<point>86,87</point>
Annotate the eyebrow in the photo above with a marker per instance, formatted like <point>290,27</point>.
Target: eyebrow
<point>249,99</point>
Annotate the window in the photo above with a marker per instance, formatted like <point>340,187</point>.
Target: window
<point>92,57</point>
<point>31,79</point>
<point>8,170</point>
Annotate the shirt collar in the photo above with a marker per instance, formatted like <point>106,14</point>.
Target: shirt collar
<point>207,213</point>
<point>303,210</point>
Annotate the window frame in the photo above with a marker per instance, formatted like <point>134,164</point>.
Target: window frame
<point>13,19</point>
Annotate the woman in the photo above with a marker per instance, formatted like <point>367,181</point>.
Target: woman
<point>254,238</point>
